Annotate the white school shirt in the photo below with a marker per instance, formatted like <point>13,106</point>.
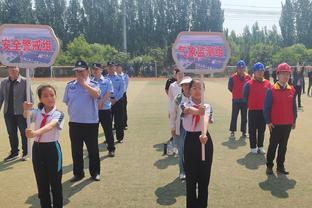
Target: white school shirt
<point>176,112</point>
<point>54,115</point>
<point>174,90</point>
<point>189,119</point>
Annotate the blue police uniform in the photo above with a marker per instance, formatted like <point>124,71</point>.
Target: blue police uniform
<point>77,98</point>
<point>117,108</point>
<point>125,78</point>
<point>83,125</point>
<point>105,113</point>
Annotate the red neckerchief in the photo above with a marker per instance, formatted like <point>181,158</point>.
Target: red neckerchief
<point>43,122</point>
<point>196,118</point>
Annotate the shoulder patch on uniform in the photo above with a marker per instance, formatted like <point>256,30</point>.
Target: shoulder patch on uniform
<point>71,82</point>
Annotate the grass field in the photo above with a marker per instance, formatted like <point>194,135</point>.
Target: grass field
<point>140,177</point>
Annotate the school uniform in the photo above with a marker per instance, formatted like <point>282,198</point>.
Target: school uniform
<point>125,79</point>
<point>83,126</point>
<point>47,158</point>
<point>197,171</point>
<point>105,113</point>
<point>235,86</point>
<point>176,117</point>
<point>118,107</point>
<point>173,91</point>
<point>279,109</point>
<point>254,94</point>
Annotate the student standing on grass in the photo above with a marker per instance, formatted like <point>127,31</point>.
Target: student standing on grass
<point>46,153</point>
<point>13,95</point>
<point>174,90</point>
<point>197,171</point>
<point>176,116</point>
<point>104,105</point>
<point>125,79</point>
<point>235,86</point>
<point>254,94</point>
<point>117,101</point>
<point>81,97</point>
<point>280,113</point>
<point>310,81</point>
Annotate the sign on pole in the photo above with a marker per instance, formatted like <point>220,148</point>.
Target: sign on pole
<point>201,53</point>
<point>28,46</point>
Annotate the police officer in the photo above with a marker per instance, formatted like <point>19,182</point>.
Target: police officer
<point>280,113</point>
<point>235,86</point>
<point>116,100</point>
<point>81,97</point>
<point>254,93</point>
<point>104,105</point>
<point>125,79</point>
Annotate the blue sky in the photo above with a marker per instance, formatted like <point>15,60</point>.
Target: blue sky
<point>240,13</point>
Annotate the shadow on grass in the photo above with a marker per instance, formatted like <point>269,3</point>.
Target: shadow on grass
<point>159,147</point>
<point>278,185</point>
<point>4,166</point>
<point>252,161</point>
<point>166,162</point>
<point>166,195</point>
<point>233,144</point>
<point>69,188</point>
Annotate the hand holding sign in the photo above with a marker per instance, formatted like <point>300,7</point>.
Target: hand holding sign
<point>201,53</point>
<point>28,46</point>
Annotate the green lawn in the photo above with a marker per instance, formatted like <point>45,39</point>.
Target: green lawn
<point>140,177</point>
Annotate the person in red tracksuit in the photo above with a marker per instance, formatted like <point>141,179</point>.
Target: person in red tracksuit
<point>280,113</point>
<point>235,86</point>
<point>254,93</point>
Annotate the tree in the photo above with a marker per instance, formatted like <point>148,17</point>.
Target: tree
<point>287,23</point>
<point>261,53</point>
<point>74,20</point>
<point>51,12</point>
<point>216,17</point>
<point>303,22</point>
<point>17,11</point>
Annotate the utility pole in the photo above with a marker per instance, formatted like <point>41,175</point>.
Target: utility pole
<point>124,19</point>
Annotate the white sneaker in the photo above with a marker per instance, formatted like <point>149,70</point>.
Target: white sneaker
<point>261,150</point>
<point>182,176</point>
<point>254,151</point>
<point>176,151</point>
<point>25,158</point>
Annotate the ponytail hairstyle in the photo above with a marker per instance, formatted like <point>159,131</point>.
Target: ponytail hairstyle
<point>39,93</point>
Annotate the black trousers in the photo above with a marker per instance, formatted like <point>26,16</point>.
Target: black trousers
<point>105,118</point>
<point>47,163</point>
<point>117,111</point>
<point>125,112</point>
<point>80,133</point>
<point>197,171</point>
<point>309,88</point>
<point>256,128</point>
<point>298,94</point>
<point>236,107</point>
<point>278,139</point>
<point>14,122</point>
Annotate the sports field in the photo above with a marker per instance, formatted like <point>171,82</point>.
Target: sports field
<point>140,177</point>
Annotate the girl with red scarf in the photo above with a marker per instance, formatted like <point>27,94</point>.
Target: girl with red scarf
<point>197,171</point>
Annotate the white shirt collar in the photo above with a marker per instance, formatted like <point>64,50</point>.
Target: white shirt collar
<point>50,113</point>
